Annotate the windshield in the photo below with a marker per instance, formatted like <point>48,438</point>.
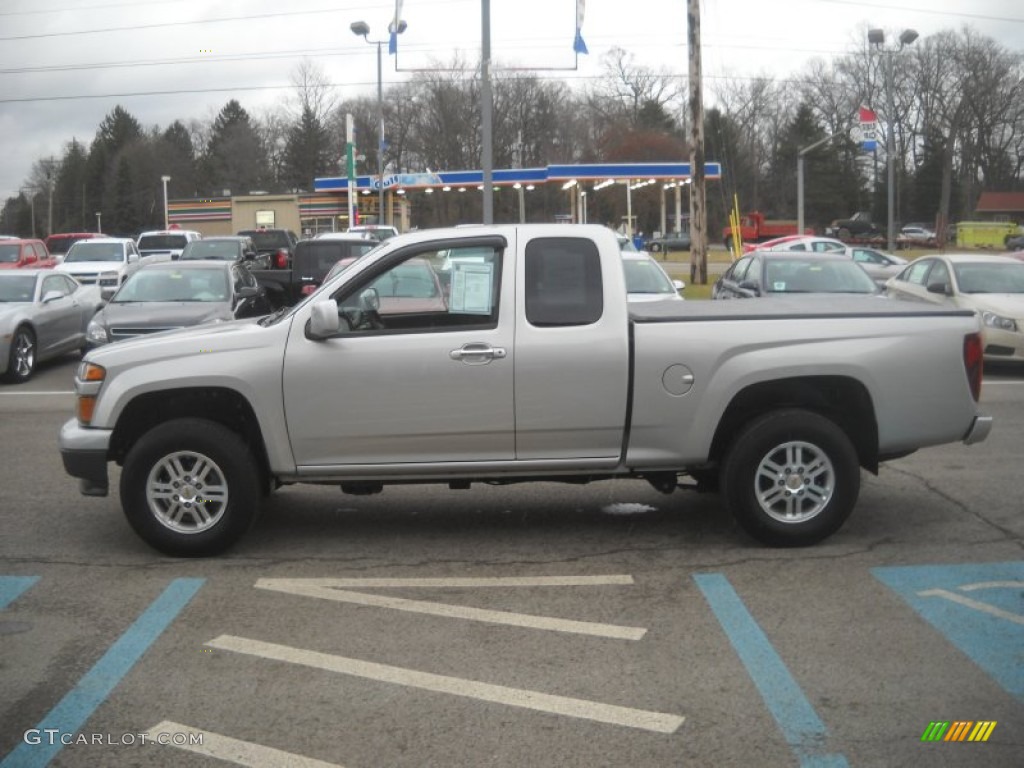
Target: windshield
<point>162,242</point>
<point>644,276</point>
<point>990,277</point>
<point>224,250</point>
<point>91,251</point>
<point>315,258</point>
<point>270,240</point>
<point>816,276</point>
<point>185,284</point>
<point>14,288</point>
<point>9,253</point>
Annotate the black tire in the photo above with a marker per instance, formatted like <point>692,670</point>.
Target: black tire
<point>21,361</point>
<point>728,243</point>
<point>843,234</point>
<point>655,247</point>
<point>791,478</point>
<point>172,520</point>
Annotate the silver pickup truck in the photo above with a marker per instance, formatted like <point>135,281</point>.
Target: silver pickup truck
<point>505,354</point>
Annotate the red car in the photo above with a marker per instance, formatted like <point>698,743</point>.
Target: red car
<point>15,254</point>
<point>60,243</point>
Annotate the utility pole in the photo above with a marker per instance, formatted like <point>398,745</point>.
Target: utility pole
<point>486,107</point>
<point>698,191</point>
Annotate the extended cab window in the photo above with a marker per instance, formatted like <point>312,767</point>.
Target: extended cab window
<point>563,282</point>
<point>455,289</point>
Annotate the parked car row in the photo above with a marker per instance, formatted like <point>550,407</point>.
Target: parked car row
<point>990,284</point>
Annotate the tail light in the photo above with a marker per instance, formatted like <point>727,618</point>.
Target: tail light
<point>281,259</point>
<point>973,363</point>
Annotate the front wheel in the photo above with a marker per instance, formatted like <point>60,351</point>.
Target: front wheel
<point>791,478</point>
<point>21,362</point>
<point>190,487</point>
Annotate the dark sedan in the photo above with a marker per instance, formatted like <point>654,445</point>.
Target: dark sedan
<point>171,295</point>
<point>674,241</point>
<point>788,273</point>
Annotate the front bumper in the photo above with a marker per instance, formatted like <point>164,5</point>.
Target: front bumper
<point>84,453</point>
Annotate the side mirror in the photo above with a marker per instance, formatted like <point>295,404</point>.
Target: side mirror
<point>750,285</point>
<point>52,296</point>
<point>250,255</point>
<point>678,285</point>
<point>324,321</point>
<point>248,292</point>
<point>369,300</point>
<point>940,288</point>
<point>107,293</point>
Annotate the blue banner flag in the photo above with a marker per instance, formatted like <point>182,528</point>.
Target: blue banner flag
<point>578,45</point>
<point>394,28</point>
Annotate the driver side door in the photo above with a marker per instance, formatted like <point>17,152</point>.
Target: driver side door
<point>425,377</point>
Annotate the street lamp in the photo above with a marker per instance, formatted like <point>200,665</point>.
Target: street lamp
<point>876,37</point>
<point>362,29</point>
<point>165,179</point>
<point>99,228</point>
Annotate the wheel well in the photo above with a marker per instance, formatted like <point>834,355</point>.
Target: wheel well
<point>224,406</point>
<point>842,400</point>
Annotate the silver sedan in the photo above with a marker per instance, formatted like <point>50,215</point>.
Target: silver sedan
<point>43,314</point>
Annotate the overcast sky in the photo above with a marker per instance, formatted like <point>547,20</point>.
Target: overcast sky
<point>65,64</point>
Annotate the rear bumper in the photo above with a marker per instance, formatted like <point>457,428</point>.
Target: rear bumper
<point>979,430</point>
<point>84,453</point>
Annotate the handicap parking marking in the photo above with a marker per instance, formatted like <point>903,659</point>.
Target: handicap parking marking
<point>978,607</point>
<point>803,730</point>
<point>12,587</point>
<point>77,706</point>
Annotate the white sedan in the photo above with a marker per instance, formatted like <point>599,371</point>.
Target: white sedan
<point>992,285</point>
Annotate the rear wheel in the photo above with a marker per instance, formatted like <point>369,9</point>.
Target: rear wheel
<point>791,478</point>
<point>21,361</point>
<point>655,247</point>
<point>190,487</point>
<point>843,234</point>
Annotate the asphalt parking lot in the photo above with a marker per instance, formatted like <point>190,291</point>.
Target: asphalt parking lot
<point>538,625</point>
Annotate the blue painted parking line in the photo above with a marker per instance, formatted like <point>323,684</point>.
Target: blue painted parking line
<point>801,727</point>
<point>81,701</point>
<point>978,607</point>
<point>11,588</point>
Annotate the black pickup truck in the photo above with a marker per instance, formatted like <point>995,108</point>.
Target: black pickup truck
<point>311,260</point>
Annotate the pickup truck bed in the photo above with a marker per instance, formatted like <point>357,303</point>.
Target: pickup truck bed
<point>528,365</point>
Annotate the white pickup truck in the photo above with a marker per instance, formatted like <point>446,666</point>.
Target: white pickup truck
<point>525,363</point>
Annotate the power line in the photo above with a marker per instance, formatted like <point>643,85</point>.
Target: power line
<point>910,9</point>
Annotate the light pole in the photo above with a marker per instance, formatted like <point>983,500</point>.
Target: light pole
<point>99,228</point>
<point>876,37</point>
<point>32,206</point>
<point>165,179</point>
<point>362,29</point>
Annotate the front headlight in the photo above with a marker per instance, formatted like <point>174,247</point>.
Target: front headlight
<point>992,320</point>
<point>109,278</point>
<point>96,333</point>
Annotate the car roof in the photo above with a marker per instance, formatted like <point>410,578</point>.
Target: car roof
<point>352,237</point>
<point>971,258</point>
<point>189,264</point>
<point>108,240</point>
<point>32,271</point>
<point>796,255</point>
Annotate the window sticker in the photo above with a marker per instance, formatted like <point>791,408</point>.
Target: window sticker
<point>472,286</point>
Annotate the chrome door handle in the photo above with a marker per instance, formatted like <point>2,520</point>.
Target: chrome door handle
<point>477,353</point>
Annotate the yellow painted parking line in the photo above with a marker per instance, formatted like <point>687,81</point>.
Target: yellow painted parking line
<point>228,749</point>
<point>658,722</point>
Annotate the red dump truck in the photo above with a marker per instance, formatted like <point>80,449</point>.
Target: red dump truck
<point>755,228</point>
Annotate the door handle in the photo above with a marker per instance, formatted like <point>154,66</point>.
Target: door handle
<point>477,353</point>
